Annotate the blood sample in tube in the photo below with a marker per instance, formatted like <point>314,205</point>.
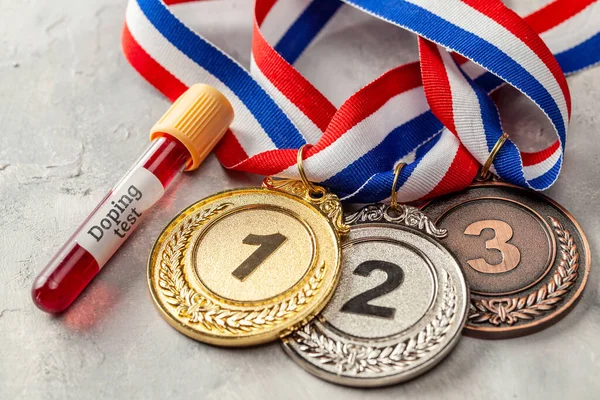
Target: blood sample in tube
<point>180,141</point>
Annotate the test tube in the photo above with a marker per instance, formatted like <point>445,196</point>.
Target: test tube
<point>180,141</point>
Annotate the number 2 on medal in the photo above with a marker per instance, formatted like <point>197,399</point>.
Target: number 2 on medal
<point>360,304</point>
<point>267,246</point>
<point>511,256</point>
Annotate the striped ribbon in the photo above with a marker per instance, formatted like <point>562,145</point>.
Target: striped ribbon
<point>436,115</point>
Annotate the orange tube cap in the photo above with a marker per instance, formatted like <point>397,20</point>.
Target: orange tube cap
<point>198,119</point>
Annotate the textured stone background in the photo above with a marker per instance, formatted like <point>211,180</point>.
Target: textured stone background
<point>74,116</point>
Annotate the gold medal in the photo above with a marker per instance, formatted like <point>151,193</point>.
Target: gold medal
<point>248,266</point>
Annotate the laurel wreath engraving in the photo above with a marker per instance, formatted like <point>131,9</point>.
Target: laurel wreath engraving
<point>403,214</point>
<point>197,309</point>
<point>328,203</point>
<point>352,358</point>
<point>511,310</point>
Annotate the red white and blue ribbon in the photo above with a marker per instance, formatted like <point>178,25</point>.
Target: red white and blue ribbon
<point>436,116</point>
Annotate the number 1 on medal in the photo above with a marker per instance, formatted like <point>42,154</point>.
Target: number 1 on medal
<point>267,246</point>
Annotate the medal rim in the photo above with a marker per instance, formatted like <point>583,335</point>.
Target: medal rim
<point>536,325</point>
<point>262,336</point>
<point>405,375</point>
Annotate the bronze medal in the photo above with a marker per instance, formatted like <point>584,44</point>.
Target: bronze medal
<point>525,258</point>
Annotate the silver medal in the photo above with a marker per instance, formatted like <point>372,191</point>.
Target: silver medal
<point>399,308</point>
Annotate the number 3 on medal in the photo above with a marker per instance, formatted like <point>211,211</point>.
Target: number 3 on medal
<point>267,244</point>
<point>502,234</point>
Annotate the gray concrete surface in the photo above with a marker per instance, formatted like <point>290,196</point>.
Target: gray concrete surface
<point>74,116</point>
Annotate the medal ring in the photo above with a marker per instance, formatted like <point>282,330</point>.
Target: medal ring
<point>394,195</point>
<point>313,190</point>
<point>484,174</point>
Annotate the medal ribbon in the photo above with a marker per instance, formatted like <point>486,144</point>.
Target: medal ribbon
<point>399,117</point>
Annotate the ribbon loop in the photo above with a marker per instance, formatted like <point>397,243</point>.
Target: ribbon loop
<point>356,147</point>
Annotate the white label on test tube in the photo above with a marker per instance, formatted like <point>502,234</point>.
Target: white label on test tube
<point>121,213</point>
